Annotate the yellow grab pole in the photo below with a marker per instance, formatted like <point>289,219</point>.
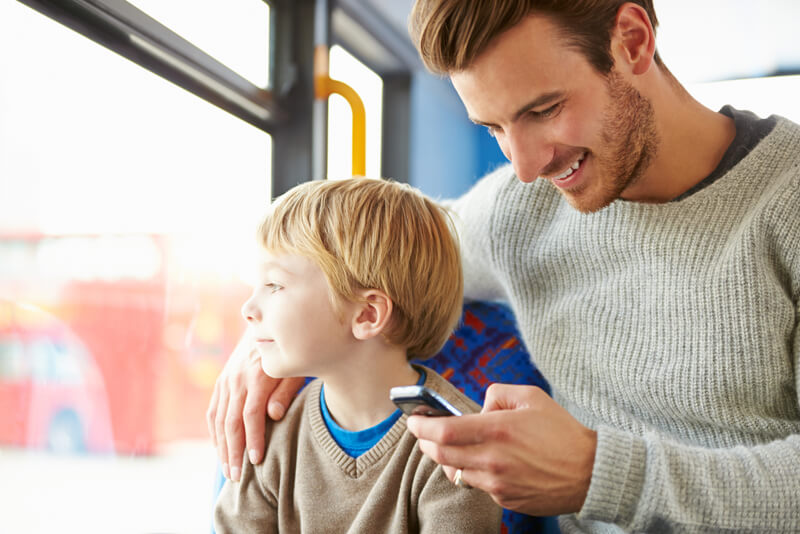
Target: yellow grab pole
<point>325,86</point>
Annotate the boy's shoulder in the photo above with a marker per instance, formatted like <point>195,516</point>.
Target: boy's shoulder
<point>290,425</point>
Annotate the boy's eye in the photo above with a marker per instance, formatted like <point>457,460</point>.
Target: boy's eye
<point>273,287</point>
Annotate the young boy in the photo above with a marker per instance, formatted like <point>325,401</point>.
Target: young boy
<point>357,277</point>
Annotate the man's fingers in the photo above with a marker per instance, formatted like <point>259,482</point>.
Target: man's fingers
<point>511,397</point>
<point>234,435</point>
<point>453,456</point>
<point>463,430</point>
<point>211,414</point>
<point>237,411</point>
<point>219,430</point>
<point>450,472</point>
<point>283,396</point>
<point>280,394</point>
<point>255,418</point>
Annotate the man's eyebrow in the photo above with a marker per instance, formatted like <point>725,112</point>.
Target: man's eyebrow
<point>539,101</point>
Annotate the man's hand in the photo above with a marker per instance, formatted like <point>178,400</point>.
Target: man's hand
<point>523,449</point>
<point>237,412</point>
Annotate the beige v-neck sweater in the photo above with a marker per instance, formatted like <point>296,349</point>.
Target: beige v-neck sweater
<point>671,329</point>
<point>307,483</point>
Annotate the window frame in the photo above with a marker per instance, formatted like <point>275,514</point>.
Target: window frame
<point>285,110</point>
<point>128,31</point>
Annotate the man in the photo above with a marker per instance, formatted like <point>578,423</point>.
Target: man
<point>654,270</point>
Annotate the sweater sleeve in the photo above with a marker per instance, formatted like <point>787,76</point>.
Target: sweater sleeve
<point>444,507</point>
<point>652,484</point>
<point>472,215</point>
<point>245,506</point>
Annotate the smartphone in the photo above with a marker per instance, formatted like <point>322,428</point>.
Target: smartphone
<point>419,400</point>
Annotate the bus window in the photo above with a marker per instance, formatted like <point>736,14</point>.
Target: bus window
<point>369,86</point>
<point>127,213</point>
<point>749,94</point>
<point>238,36</point>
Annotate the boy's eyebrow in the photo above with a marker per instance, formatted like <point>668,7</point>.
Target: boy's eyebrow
<point>540,100</point>
<point>270,265</point>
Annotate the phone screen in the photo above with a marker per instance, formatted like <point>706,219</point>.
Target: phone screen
<point>419,400</point>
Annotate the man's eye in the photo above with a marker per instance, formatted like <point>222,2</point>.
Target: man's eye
<point>547,113</point>
<point>493,131</point>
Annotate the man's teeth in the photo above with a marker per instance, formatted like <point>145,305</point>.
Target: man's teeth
<point>571,169</point>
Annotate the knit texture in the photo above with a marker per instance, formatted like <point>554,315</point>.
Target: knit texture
<point>671,329</point>
<point>307,483</point>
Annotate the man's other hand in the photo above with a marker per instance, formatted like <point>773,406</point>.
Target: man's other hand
<point>237,412</point>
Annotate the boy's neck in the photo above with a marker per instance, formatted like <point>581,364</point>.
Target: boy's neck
<point>357,393</point>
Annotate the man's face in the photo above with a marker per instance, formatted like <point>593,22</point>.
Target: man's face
<point>555,117</point>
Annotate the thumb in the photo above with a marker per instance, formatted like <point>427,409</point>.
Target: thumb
<point>510,397</point>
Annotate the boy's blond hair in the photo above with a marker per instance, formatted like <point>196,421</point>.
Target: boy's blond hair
<point>377,234</point>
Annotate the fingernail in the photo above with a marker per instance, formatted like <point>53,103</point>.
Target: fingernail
<point>410,424</point>
<point>277,410</point>
<point>235,474</point>
<point>253,456</point>
<point>226,471</point>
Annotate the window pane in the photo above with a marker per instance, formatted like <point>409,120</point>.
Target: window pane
<point>369,86</point>
<point>762,96</point>
<point>234,32</point>
<point>127,213</point>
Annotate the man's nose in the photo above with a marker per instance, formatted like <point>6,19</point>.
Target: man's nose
<point>529,152</point>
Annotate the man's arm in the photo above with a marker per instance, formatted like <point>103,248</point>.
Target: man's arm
<point>237,411</point>
<point>535,458</point>
<point>473,218</point>
<point>651,483</point>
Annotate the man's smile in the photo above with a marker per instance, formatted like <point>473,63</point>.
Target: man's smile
<point>569,176</point>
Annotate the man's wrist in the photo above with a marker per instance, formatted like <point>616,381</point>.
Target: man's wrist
<point>617,477</point>
<point>587,467</point>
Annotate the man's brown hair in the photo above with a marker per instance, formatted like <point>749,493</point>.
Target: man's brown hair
<point>450,34</point>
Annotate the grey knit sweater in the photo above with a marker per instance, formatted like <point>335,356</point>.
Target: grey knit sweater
<point>671,329</point>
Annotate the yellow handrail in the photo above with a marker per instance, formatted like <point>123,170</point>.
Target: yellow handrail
<point>325,86</point>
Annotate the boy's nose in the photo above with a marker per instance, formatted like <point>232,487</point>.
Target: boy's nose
<point>250,312</point>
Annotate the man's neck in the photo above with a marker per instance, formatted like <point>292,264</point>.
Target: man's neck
<point>693,140</point>
<point>357,393</point>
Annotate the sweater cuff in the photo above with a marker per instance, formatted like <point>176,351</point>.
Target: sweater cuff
<point>617,478</point>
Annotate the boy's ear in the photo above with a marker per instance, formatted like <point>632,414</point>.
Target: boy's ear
<point>372,314</point>
<point>633,40</point>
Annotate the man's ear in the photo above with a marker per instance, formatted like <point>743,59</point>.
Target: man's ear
<point>372,314</point>
<point>633,40</point>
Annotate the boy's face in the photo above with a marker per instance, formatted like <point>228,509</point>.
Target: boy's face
<point>555,117</point>
<point>292,320</point>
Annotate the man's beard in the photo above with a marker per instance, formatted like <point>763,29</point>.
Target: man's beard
<point>630,142</point>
